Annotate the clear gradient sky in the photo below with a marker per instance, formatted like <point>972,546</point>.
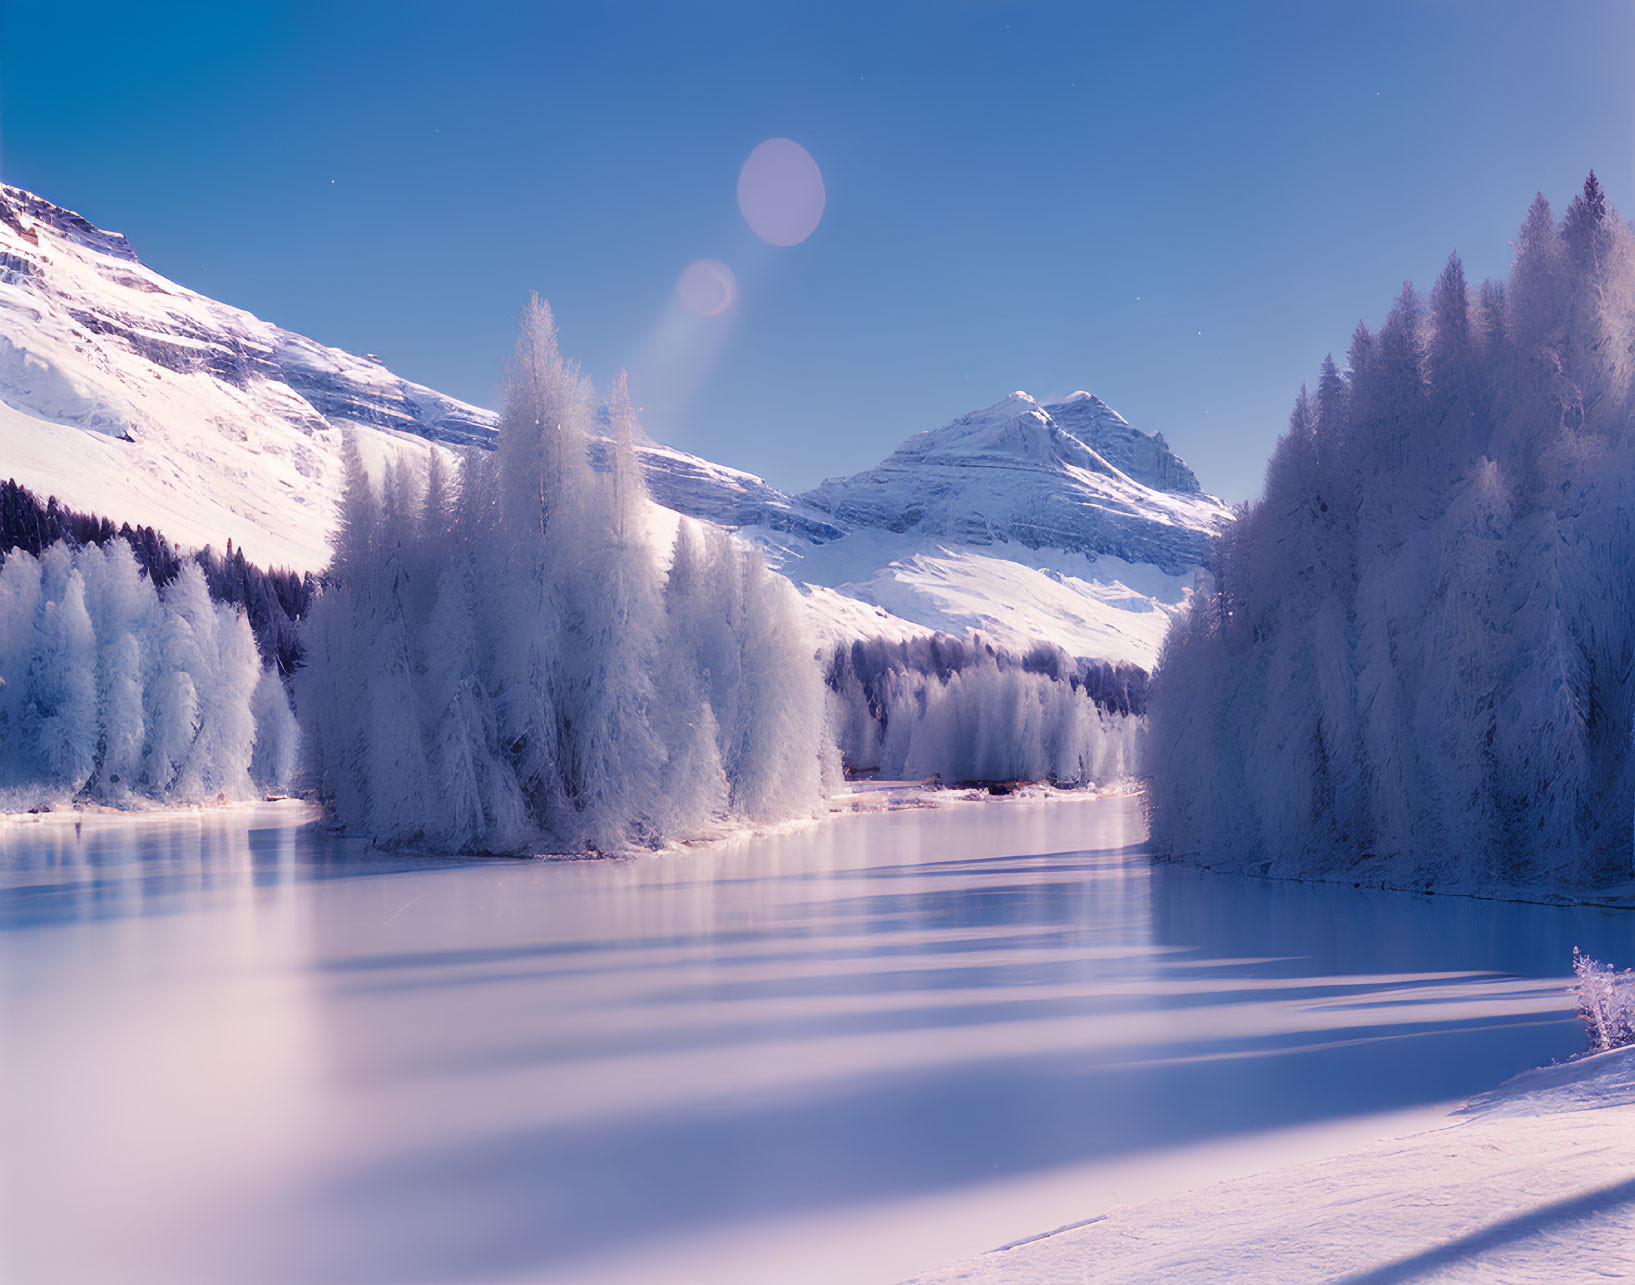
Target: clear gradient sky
<point>1180,207</point>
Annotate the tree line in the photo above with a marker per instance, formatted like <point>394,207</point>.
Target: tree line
<point>523,652</point>
<point>969,711</point>
<point>115,690</point>
<point>1414,664</point>
<point>274,599</point>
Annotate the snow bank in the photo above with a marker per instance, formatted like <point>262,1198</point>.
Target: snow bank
<point>1534,1183</point>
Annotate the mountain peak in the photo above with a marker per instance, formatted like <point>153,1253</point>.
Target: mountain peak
<point>1146,457</point>
<point>1084,402</point>
<point>1071,475</point>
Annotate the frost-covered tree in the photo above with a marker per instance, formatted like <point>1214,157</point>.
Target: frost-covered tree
<point>505,663</point>
<point>1413,666</point>
<point>113,691</point>
<point>399,797</point>
<point>782,697</point>
<point>124,614</point>
<point>61,677</point>
<point>616,611</point>
<point>275,755</point>
<point>963,710</point>
<point>693,781</point>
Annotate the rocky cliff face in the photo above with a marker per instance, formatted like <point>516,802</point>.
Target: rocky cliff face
<point>1142,457</point>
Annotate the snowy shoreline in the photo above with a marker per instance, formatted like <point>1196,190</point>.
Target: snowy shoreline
<point>89,810</point>
<point>861,798</point>
<point>1533,1181</point>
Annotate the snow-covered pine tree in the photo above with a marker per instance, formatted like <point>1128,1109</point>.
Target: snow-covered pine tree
<point>505,666</point>
<point>612,652</point>
<point>61,677</point>
<point>1470,616</point>
<point>124,615</point>
<point>542,473</point>
<point>399,786</point>
<point>276,753</point>
<point>215,643</point>
<point>111,692</point>
<point>693,784</point>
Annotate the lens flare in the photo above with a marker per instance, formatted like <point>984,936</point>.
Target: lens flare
<point>706,288</point>
<point>780,191</point>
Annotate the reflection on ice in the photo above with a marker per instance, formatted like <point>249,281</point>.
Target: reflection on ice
<point>237,1047</point>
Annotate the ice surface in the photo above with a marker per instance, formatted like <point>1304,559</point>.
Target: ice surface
<point>253,1051</point>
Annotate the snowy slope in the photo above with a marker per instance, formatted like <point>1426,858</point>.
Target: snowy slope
<point>1103,608</point>
<point>1537,1183</point>
<point>126,394</point>
<point>1022,521</point>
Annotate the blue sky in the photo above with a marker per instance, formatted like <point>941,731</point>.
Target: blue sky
<point>1179,207</point>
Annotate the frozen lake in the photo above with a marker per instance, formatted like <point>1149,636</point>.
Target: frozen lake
<point>235,1048</point>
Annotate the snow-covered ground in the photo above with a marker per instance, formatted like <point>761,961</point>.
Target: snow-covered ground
<point>1532,1182</point>
<point>249,1049</point>
<point>892,585</point>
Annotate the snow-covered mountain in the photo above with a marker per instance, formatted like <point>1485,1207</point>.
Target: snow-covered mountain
<point>127,394</point>
<point>1025,520</point>
<point>1067,475</point>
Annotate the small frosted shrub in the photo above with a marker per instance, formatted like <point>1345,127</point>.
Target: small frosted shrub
<point>1606,1001</point>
